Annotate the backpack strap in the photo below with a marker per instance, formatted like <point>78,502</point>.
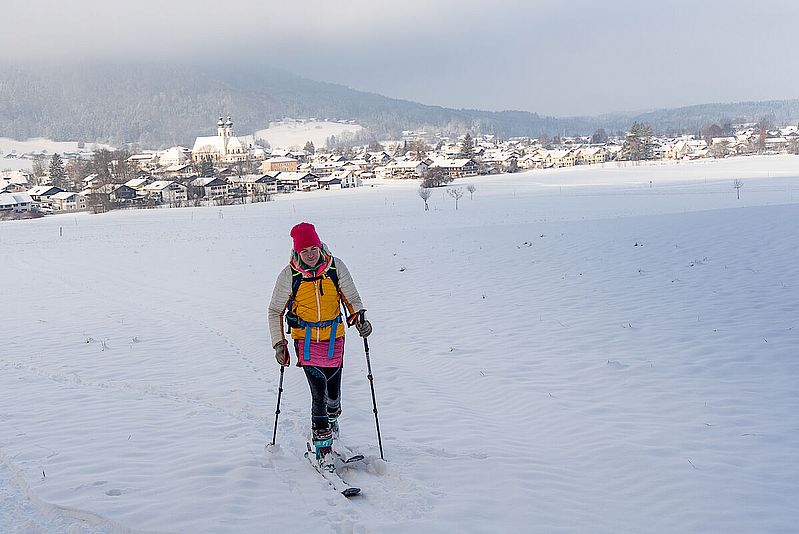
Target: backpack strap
<point>333,324</point>
<point>293,321</point>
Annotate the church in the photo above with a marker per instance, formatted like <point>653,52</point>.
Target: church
<point>224,147</point>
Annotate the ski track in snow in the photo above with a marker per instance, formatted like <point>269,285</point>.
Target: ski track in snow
<point>147,388</point>
<point>565,361</point>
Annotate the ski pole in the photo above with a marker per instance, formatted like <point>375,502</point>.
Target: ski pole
<point>280,385</point>
<point>372,386</point>
<point>279,394</point>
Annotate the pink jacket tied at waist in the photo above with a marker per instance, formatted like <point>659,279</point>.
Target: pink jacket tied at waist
<point>319,351</point>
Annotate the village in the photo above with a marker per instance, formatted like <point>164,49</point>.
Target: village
<point>227,169</point>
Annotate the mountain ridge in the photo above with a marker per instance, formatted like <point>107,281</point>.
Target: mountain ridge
<point>161,104</point>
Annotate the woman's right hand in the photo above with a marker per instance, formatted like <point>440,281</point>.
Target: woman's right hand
<point>282,353</point>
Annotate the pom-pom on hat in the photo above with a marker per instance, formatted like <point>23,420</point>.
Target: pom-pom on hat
<point>304,236</point>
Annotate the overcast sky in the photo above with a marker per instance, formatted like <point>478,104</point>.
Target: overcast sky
<point>552,57</point>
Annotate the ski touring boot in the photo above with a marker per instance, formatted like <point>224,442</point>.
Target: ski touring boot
<point>333,412</point>
<point>323,447</point>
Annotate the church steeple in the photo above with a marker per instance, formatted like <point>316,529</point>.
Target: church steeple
<point>220,127</point>
<point>229,127</point>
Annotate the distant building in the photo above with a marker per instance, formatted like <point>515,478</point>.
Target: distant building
<point>166,191</point>
<point>210,187</point>
<point>17,202</point>
<point>68,201</point>
<point>280,164</point>
<point>224,147</point>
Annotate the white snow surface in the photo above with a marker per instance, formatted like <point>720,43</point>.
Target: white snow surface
<point>294,134</point>
<point>37,145</point>
<point>597,358</point>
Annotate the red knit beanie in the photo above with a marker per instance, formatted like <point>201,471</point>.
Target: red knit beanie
<point>304,236</point>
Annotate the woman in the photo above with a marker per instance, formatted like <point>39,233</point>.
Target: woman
<point>310,290</point>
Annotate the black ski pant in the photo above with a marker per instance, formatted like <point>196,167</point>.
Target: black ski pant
<point>325,384</point>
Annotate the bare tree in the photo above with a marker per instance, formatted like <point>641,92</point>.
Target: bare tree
<point>720,149</point>
<point>425,193</point>
<point>456,193</point>
<point>39,168</point>
<point>471,189</point>
<point>419,148</point>
<point>738,184</point>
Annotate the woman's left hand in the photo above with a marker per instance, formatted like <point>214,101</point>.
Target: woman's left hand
<point>363,325</point>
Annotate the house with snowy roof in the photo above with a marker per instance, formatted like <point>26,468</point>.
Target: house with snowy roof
<point>591,155</point>
<point>176,155</point>
<point>68,201</point>
<point>456,168</point>
<point>297,181</point>
<point>255,184</point>
<point>145,161</point>
<point>279,164</point>
<point>139,183</point>
<point>343,179</point>
<point>42,193</point>
<point>210,187</point>
<point>177,170</point>
<point>16,202</point>
<point>92,181</point>
<point>166,191</point>
<point>405,169</point>
<point>19,179</point>
<point>560,158</point>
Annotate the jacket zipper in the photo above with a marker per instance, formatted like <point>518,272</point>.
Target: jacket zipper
<point>318,307</point>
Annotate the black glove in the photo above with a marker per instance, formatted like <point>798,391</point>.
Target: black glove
<point>363,326</point>
<point>282,353</point>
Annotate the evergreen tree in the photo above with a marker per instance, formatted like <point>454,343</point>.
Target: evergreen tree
<point>638,145</point>
<point>57,174</point>
<point>467,148</point>
<point>310,148</point>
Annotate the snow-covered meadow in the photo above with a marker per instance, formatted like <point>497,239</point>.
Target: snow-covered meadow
<point>592,350</point>
<point>295,133</point>
<point>39,145</point>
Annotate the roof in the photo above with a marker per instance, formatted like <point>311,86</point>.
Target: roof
<point>252,178</point>
<point>209,144</point>
<point>13,199</point>
<point>177,167</point>
<point>159,185</point>
<point>296,176</point>
<point>205,181</point>
<point>137,182</point>
<point>64,195</point>
<point>40,190</point>
<point>452,163</point>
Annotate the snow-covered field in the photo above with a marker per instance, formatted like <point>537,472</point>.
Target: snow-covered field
<point>294,134</point>
<point>37,144</point>
<point>606,357</point>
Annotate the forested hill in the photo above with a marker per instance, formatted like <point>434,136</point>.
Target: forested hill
<point>160,105</point>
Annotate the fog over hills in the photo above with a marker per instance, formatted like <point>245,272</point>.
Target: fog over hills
<point>158,105</point>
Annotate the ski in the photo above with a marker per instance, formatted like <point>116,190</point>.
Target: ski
<point>347,459</point>
<point>345,454</point>
<point>333,478</point>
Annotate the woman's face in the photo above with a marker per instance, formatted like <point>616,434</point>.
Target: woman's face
<point>310,255</point>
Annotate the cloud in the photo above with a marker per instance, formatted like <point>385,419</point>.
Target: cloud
<point>580,57</point>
